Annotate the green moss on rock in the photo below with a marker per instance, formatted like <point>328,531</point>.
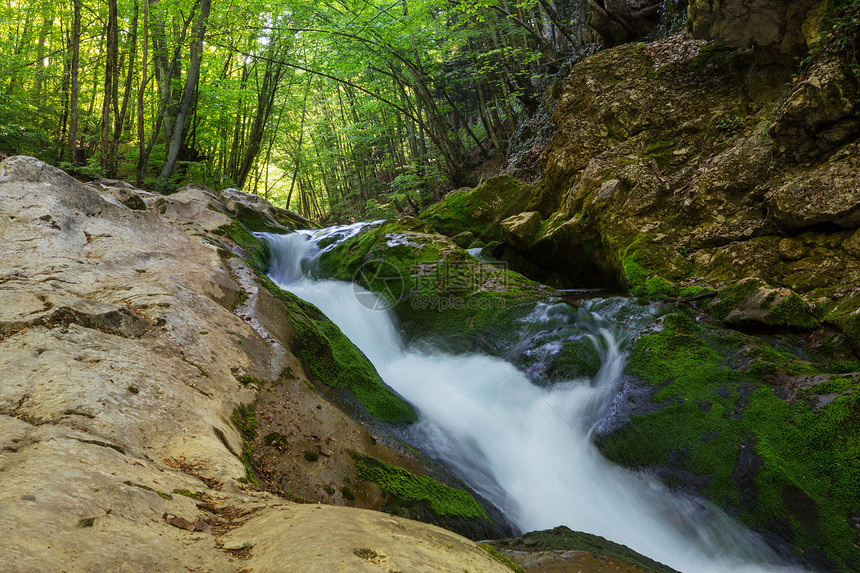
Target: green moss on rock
<point>331,358</point>
<point>714,389</point>
<point>479,210</point>
<point>408,488</point>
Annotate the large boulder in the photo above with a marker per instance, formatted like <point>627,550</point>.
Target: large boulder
<point>140,382</point>
<point>774,29</point>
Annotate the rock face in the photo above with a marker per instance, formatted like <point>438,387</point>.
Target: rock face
<point>774,29</point>
<point>686,170</point>
<point>137,354</point>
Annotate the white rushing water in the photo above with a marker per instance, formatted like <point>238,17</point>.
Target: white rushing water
<point>523,447</point>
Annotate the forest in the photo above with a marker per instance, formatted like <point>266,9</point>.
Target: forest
<point>333,108</point>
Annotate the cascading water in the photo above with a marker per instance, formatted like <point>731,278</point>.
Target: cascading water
<point>523,447</point>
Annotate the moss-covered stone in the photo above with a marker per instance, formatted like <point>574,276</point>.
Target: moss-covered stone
<point>752,302</point>
<point>480,210</point>
<point>577,358</point>
<point>565,539</point>
<point>407,488</point>
<point>776,463</point>
<point>330,357</point>
<point>437,290</point>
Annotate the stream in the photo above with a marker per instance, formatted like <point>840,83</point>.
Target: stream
<point>526,448</point>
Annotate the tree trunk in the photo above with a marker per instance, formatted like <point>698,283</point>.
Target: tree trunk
<point>178,134</point>
<point>73,75</point>
<point>111,76</point>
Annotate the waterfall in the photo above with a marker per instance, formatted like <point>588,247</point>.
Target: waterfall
<point>524,447</point>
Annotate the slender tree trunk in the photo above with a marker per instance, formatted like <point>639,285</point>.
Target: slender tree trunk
<point>111,76</point>
<point>141,135</point>
<point>73,75</point>
<point>178,134</point>
<point>120,117</point>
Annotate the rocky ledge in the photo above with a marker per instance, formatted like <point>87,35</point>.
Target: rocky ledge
<point>149,386</point>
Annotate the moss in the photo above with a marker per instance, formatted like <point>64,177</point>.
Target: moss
<point>367,553</point>
<point>201,373</point>
<point>408,488</point>
<point>832,386</point>
<point>479,210</point>
<point>311,456</point>
<point>256,250</point>
<point>245,419</point>
<point>501,558</point>
<point>648,268</point>
<point>577,358</point>
<point>188,493</point>
<point>791,312</point>
<point>250,381</point>
<point>347,493</point>
<point>328,489</point>
<point>133,390</point>
<point>86,522</point>
<point>710,384</point>
<point>331,358</point>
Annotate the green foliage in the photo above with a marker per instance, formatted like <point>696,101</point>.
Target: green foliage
<point>408,488</point>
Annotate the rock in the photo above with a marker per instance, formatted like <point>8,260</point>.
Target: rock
<point>124,355</point>
<point>774,29</point>
<point>125,193</point>
<point>819,113</point>
<point>752,302</point>
<point>259,215</point>
<point>432,285</point>
<point>464,239</point>
<point>520,230</point>
<point>829,194</point>
<point>321,539</point>
<point>478,210</point>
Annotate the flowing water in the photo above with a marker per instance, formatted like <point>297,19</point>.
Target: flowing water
<point>524,447</point>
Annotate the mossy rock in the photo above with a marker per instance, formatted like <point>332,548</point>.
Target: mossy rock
<point>422,498</point>
<point>565,539</point>
<point>253,250</point>
<point>331,358</point>
<point>577,358</point>
<point>479,210</point>
<point>752,302</point>
<point>650,269</point>
<point>437,290</point>
<point>776,463</point>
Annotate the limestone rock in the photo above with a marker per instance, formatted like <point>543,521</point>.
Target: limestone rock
<point>752,302</point>
<point>773,28</point>
<point>819,113</point>
<point>124,346</point>
<point>829,194</point>
<point>520,230</point>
